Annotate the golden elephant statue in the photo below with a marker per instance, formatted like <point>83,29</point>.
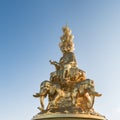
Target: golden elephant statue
<point>83,95</point>
<point>53,91</point>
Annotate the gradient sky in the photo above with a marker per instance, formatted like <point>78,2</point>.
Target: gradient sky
<point>29,37</point>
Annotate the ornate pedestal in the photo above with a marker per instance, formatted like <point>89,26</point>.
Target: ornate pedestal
<point>67,117</point>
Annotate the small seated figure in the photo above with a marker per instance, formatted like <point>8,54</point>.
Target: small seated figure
<point>67,62</point>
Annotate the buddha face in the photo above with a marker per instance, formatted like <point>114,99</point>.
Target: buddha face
<point>66,47</point>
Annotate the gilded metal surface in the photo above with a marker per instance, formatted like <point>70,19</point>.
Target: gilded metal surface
<point>67,117</point>
<point>68,89</point>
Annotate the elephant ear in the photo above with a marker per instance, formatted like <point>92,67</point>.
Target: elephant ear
<point>52,90</point>
<point>81,89</point>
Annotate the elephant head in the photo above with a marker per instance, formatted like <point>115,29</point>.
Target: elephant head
<point>44,91</point>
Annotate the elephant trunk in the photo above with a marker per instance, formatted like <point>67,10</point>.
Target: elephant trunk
<point>89,100</point>
<point>42,102</point>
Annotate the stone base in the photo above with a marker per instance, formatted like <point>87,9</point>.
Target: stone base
<point>55,116</point>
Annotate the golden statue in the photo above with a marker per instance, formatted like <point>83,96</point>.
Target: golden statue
<point>68,89</point>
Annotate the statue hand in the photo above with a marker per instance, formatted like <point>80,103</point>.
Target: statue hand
<point>53,62</point>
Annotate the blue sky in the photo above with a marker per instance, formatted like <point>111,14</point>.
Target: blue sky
<point>29,37</point>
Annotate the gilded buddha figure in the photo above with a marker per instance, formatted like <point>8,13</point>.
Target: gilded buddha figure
<point>67,68</point>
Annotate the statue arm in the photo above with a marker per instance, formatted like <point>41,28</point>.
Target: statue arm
<point>56,64</point>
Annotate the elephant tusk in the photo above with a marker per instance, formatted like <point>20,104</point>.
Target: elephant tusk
<point>36,95</point>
